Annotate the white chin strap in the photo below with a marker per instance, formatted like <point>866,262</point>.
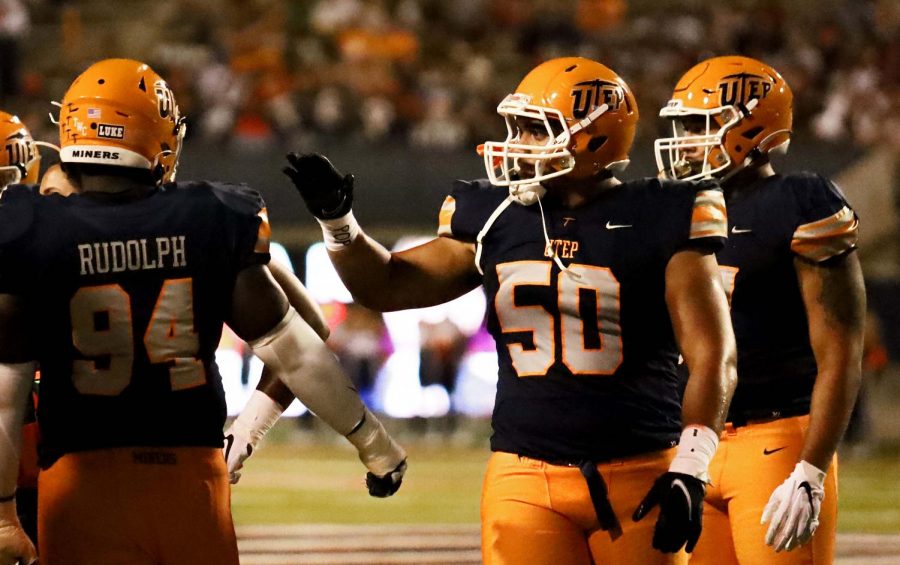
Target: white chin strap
<point>524,198</point>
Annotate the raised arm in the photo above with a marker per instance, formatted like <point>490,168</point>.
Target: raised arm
<point>432,273</point>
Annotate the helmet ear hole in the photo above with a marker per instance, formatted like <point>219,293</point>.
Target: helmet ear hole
<point>752,132</point>
<point>596,143</point>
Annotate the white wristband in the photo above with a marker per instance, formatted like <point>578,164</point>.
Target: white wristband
<point>695,450</point>
<point>339,232</point>
<point>258,416</point>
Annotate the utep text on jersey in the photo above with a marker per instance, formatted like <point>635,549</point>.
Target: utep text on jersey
<point>587,356</point>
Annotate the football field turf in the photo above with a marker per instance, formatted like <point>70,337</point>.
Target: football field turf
<point>315,478</point>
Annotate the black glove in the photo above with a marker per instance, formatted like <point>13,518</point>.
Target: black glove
<point>383,487</point>
<point>680,499</point>
<point>327,193</point>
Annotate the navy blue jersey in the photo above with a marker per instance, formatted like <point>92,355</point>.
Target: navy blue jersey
<point>587,356</point>
<point>127,303</point>
<point>772,223</point>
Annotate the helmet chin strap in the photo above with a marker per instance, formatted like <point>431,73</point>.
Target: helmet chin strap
<point>527,194</point>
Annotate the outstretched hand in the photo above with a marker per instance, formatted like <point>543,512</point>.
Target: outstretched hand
<point>327,193</point>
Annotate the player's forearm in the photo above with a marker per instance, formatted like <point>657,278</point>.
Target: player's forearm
<point>15,385</point>
<point>303,362</point>
<point>274,388</point>
<point>833,399</point>
<point>834,296</point>
<point>708,392</point>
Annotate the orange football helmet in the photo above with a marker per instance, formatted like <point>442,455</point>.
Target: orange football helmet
<point>20,161</point>
<point>120,112</point>
<point>733,109</point>
<point>589,116</point>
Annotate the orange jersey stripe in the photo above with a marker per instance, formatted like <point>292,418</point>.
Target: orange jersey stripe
<point>264,234</point>
<point>709,218</point>
<point>448,208</point>
<point>828,237</point>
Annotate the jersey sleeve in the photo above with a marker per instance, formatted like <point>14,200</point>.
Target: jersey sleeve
<point>467,209</point>
<point>826,226</point>
<point>247,210</point>
<point>698,215</point>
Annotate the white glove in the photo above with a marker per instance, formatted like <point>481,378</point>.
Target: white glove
<point>794,508</point>
<point>15,547</point>
<point>258,416</point>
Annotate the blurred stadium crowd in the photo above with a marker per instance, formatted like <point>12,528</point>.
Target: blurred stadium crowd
<point>275,73</point>
<point>270,75</point>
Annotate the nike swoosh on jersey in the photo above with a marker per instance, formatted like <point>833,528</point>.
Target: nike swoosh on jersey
<point>611,226</point>
<point>767,451</point>
<point>735,229</point>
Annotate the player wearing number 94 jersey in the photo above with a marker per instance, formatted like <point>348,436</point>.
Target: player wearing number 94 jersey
<point>124,288</point>
<point>589,282</point>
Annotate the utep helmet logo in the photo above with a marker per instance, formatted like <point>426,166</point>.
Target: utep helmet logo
<point>742,88</point>
<point>165,99</point>
<point>20,150</point>
<point>593,93</point>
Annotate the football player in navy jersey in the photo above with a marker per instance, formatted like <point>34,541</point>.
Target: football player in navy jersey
<point>123,289</point>
<point>271,397</point>
<point>592,284</point>
<point>20,162</point>
<point>798,308</point>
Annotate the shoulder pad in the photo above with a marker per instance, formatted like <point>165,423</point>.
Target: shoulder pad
<point>825,225</point>
<point>16,211</point>
<point>237,197</point>
<point>476,186</point>
<point>468,207</point>
<point>813,191</point>
<point>685,186</point>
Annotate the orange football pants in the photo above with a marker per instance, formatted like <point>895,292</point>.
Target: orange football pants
<point>535,513</point>
<point>751,462</point>
<point>137,506</point>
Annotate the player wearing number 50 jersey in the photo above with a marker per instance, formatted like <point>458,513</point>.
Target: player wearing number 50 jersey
<point>797,303</point>
<point>124,288</point>
<point>592,284</point>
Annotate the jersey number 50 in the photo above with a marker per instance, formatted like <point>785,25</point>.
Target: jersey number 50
<point>102,329</point>
<point>588,304</point>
